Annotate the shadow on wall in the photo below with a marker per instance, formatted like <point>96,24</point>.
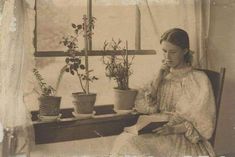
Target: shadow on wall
<point>225,136</point>
<point>1,132</point>
<point>221,54</point>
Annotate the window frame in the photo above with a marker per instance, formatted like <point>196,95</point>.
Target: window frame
<point>91,52</point>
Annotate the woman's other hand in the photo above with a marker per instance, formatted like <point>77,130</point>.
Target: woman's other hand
<point>165,130</point>
<point>174,119</point>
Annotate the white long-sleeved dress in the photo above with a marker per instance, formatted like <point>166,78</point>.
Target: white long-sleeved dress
<point>188,93</point>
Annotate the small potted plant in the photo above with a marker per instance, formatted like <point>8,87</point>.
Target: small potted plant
<point>77,64</point>
<point>49,104</point>
<point>118,68</point>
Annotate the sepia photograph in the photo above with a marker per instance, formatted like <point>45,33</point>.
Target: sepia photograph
<point>117,78</point>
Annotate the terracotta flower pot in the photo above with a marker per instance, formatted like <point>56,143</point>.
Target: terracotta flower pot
<point>124,99</point>
<point>49,105</point>
<point>84,103</point>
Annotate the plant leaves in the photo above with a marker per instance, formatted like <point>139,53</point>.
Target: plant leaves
<point>79,27</point>
<point>72,59</point>
<point>75,65</point>
<point>73,25</point>
<point>67,60</point>
<point>77,60</point>
<point>67,69</point>
<point>72,72</point>
<point>82,66</point>
<point>94,78</point>
<point>71,67</point>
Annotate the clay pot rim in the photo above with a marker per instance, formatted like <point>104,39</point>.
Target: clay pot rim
<point>130,89</point>
<point>83,94</point>
<point>49,96</point>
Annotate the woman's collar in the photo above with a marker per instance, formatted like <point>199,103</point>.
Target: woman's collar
<point>183,70</point>
<point>177,74</point>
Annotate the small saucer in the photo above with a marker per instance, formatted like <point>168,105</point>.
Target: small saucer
<point>49,118</point>
<point>104,115</point>
<point>82,116</point>
<point>123,111</point>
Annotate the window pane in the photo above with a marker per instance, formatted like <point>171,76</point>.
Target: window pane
<point>54,18</point>
<point>114,20</point>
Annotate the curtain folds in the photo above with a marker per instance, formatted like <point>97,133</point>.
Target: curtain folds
<point>16,49</point>
<point>192,16</point>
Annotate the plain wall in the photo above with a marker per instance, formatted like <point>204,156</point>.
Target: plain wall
<point>221,53</point>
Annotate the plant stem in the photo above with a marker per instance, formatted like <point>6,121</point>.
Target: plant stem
<point>80,80</point>
<point>127,67</point>
<point>86,54</point>
<point>59,79</point>
<point>36,91</point>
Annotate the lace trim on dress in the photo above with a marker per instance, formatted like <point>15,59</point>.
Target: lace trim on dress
<point>178,74</point>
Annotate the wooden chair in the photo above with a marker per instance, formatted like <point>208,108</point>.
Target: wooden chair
<point>217,82</point>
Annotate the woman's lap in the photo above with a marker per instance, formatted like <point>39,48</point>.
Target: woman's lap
<point>156,145</point>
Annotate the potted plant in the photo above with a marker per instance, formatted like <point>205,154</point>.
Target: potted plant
<point>118,68</point>
<point>49,104</point>
<point>77,64</point>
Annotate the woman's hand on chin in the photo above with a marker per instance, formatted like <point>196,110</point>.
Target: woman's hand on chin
<point>164,70</point>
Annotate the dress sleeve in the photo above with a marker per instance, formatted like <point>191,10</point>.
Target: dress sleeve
<point>197,106</point>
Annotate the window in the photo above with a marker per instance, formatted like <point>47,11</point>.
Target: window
<point>52,24</point>
<point>115,20</point>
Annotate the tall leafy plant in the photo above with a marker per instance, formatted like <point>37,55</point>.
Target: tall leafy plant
<point>118,64</point>
<point>76,64</point>
<point>46,90</point>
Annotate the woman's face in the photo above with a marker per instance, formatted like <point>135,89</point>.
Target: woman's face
<point>173,55</point>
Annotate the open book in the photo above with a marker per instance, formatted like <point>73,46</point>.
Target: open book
<point>147,123</point>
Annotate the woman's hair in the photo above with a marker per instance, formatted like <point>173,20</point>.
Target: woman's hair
<point>178,37</point>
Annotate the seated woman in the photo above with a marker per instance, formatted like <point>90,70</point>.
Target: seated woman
<point>184,93</point>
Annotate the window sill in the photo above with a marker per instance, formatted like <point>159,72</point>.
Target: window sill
<point>70,128</point>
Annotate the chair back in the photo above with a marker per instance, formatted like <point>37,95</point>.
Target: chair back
<point>217,82</point>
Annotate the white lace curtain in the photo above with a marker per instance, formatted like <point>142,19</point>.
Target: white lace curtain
<point>16,54</point>
<point>190,15</point>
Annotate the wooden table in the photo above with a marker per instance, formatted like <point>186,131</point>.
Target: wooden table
<point>105,122</point>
